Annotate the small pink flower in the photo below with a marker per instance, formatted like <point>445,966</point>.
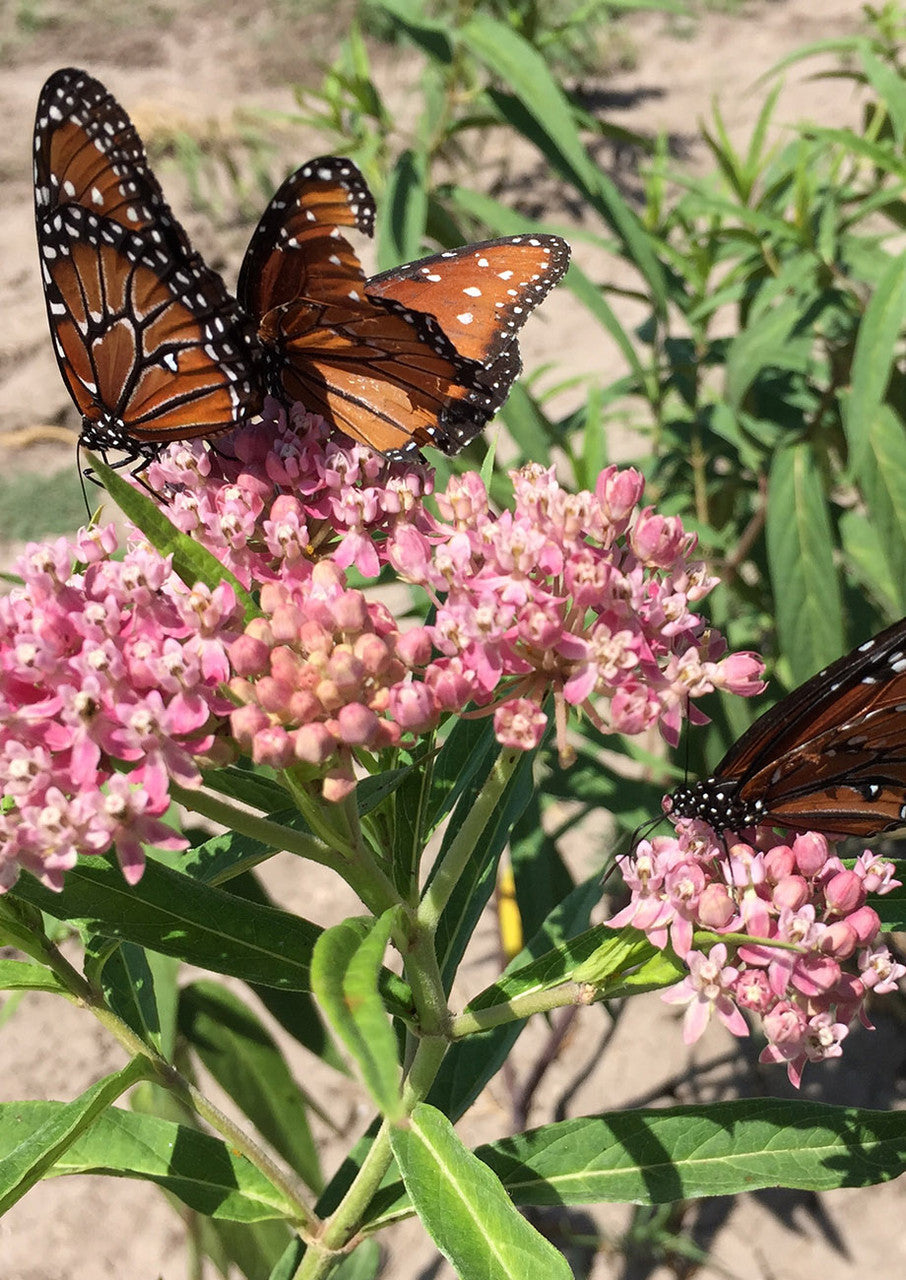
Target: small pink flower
<point>708,989</point>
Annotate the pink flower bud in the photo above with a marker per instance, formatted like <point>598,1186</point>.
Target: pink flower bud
<point>373,654</point>
<point>741,673</point>
<point>286,623</point>
<point>839,940</point>
<point>618,491</point>
<point>345,670</point>
<point>248,655</point>
<point>814,974</point>
<point>715,907</point>
<point>414,647</point>
<point>272,746</point>
<point>844,893</point>
<point>314,744</point>
<point>245,722</point>
<point>792,892</point>
<point>779,862</point>
<point>273,695</point>
<point>811,852</point>
<point>358,724</point>
<point>413,707</point>
<point>866,922</point>
<point>350,611</point>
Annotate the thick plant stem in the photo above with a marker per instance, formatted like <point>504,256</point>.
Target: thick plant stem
<point>464,843</point>
<point>324,1253</point>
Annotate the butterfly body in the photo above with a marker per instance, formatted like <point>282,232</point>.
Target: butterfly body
<point>831,756</point>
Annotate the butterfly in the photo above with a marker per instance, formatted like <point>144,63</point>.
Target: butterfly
<point>830,756</point>
<point>423,354</point>
<point>151,346</point>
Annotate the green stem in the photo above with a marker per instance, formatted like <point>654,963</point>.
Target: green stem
<point>273,834</point>
<point>464,843</point>
<point>323,1254</point>
<point>303,1216</point>
<point>471,1021</point>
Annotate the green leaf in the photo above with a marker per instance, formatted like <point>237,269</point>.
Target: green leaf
<point>876,350</point>
<point>869,560</point>
<point>553,129</point>
<point>656,1157</point>
<point>203,1172</point>
<point>246,1062</point>
<point>255,1248</point>
<point>767,341</point>
<point>191,561</point>
<point>127,982</point>
<point>800,555</point>
<point>476,884</point>
<point>27,1151</point>
<point>464,1208</point>
<point>401,231</point>
<point>178,916</point>
<point>677,1153</point>
<point>345,968</point>
<point>883,477</point>
<point>21,975</point>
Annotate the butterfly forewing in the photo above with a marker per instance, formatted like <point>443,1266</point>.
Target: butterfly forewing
<point>151,346</point>
<point>87,152</point>
<point>831,756</point>
<point>296,250</point>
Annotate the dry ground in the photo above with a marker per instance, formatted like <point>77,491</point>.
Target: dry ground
<point>200,65</point>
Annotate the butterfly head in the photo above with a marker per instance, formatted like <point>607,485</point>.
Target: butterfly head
<point>716,801</point>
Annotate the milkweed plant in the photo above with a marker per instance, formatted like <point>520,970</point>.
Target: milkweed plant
<point>236,662</point>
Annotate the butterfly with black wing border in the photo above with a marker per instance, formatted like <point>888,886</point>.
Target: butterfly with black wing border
<point>150,344</point>
<point>425,353</point>
<point>829,757</point>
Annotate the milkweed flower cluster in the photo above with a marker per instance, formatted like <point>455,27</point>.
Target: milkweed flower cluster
<point>110,686</point>
<point>814,953</point>
<point>115,678</point>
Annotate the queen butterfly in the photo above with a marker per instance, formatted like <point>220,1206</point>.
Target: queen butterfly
<point>830,756</point>
<point>151,346</point>
<point>425,353</point>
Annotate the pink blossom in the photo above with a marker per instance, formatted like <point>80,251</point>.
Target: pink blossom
<point>708,989</point>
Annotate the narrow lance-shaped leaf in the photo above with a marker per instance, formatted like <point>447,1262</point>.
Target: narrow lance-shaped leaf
<point>245,1060</point>
<point>465,1209</point>
<point>345,969</point>
<point>202,1171</point>
<point>873,359</point>
<point>31,1150</point>
<point>800,554</point>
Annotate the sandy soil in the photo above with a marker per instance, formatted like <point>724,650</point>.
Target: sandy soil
<point>197,68</point>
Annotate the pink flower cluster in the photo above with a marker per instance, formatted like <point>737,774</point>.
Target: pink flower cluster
<point>583,595</point>
<point>579,595</point>
<point>109,688</point>
<point>282,495</point>
<point>325,672</point>
<point>812,954</point>
<point>113,677</point>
